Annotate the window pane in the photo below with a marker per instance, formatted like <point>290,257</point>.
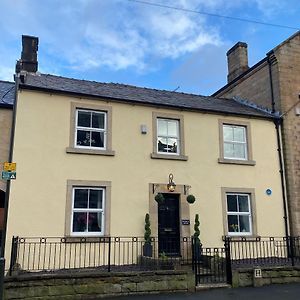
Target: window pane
<point>228,150</point>
<point>172,145</point>
<point>243,204</point>
<point>95,199</point>
<point>244,223</point>
<point>162,144</point>
<point>172,128</point>
<point>83,138</point>
<point>80,198</point>
<point>97,139</point>
<point>79,222</point>
<point>231,203</point>
<point>233,224</point>
<point>84,119</point>
<point>227,133</point>
<point>95,222</point>
<point>239,151</point>
<point>239,134</point>
<point>98,120</point>
<point>162,127</point>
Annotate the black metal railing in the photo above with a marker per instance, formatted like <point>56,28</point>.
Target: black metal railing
<point>264,251</point>
<point>99,253</point>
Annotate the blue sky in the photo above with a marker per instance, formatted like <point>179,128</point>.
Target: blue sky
<point>128,42</point>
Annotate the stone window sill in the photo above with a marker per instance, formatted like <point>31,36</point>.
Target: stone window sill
<point>242,238</point>
<point>90,151</point>
<point>170,157</point>
<point>237,162</point>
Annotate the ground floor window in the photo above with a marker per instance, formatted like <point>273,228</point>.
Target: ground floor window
<point>239,218</point>
<point>88,206</point>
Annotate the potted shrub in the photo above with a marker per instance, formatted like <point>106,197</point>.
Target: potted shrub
<point>190,199</point>
<point>147,247</point>
<point>197,243</point>
<point>159,198</point>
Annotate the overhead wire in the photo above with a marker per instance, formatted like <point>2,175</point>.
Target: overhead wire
<point>213,15</point>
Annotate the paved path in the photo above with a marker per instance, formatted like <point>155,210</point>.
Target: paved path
<point>272,292</point>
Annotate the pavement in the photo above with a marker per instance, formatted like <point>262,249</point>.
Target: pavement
<point>274,292</point>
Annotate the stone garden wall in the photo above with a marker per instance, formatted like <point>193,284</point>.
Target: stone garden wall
<point>90,285</point>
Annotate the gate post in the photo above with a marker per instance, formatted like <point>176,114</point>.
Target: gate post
<point>228,260</point>
<point>13,253</point>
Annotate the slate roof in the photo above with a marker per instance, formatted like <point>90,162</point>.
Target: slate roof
<point>139,95</point>
<point>7,93</point>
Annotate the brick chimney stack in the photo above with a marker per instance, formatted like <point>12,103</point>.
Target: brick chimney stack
<point>237,59</point>
<point>28,61</point>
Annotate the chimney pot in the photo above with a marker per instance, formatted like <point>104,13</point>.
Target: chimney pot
<point>237,59</point>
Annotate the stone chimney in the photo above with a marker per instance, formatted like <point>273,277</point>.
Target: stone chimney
<point>237,59</point>
<point>28,61</point>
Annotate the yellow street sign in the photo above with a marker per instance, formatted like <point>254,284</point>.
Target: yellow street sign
<point>9,166</point>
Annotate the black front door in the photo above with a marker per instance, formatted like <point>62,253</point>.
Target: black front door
<point>168,225</point>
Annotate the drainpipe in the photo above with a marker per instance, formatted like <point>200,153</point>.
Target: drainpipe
<point>278,126</point>
<point>7,193</point>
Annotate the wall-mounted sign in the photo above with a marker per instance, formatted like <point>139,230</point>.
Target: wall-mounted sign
<point>8,175</point>
<point>185,222</point>
<point>9,166</point>
<point>269,192</point>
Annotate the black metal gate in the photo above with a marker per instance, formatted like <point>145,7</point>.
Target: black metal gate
<point>211,265</point>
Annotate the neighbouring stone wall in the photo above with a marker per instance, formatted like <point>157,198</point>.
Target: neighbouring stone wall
<point>91,285</point>
<point>245,277</point>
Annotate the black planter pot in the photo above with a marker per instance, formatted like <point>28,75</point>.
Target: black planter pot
<point>147,250</point>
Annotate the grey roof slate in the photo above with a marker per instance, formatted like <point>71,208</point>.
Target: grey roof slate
<point>7,92</point>
<point>146,96</point>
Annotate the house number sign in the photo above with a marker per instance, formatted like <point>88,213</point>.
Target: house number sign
<point>185,222</point>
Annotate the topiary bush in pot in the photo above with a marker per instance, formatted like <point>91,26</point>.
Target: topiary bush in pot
<point>147,247</point>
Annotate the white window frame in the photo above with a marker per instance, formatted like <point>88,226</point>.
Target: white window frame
<point>102,210</point>
<point>91,129</point>
<point>245,142</point>
<point>168,136</point>
<point>237,213</point>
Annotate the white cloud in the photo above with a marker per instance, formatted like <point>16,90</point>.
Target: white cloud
<point>116,34</point>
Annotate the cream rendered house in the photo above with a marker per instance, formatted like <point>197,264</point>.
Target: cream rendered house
<point>92,157</point>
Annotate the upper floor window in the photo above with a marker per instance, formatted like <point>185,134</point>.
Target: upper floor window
<point>168,136</point>
<point>235,142</point>
<point>168,139</point>
<point>90,129</point>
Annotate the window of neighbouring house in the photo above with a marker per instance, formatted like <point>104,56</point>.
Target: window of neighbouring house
<point>239,218</point>
<point>168,139</point>
<point>90,129</point>
<point>235,142</point>
<point>168,136</point>
<point>88,207</point>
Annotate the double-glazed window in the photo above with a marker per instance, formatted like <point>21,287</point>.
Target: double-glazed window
<point>88,206</point>
<point>90,129</point>
<point>168,136</point>
<point>239,219</point>
<point>235,142</point>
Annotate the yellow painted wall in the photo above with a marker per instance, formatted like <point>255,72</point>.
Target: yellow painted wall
<point>38,196</point>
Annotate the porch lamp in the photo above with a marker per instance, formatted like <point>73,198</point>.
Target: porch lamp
<point>171,185</point>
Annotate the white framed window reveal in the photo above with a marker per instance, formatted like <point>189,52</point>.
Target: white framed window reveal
<point>91,129</point>
<point>239,217</point>
<point>235,142</point>
<point>168,136</point>
<point>88,207</point>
